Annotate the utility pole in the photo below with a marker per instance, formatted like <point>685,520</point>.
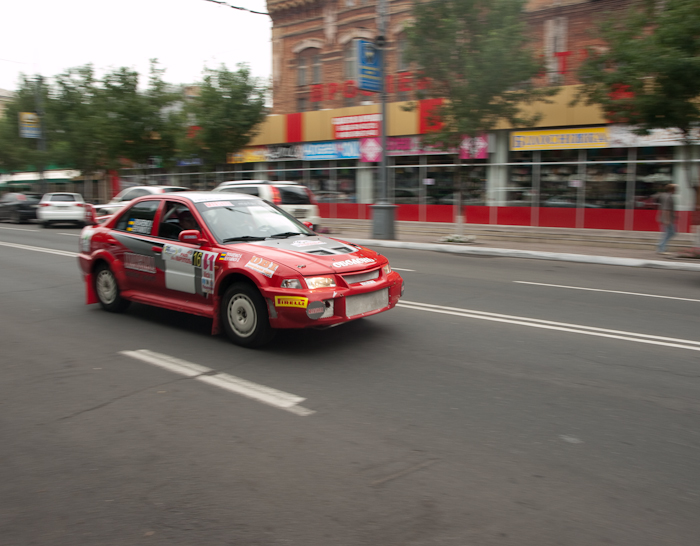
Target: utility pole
<point>383,210</point>
<point>41,144</point>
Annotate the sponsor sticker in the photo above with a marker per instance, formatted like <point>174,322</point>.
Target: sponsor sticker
<point>178,254</point>
<point>218,204</point>
<point>291,301</point>
<point>368,283</point>
<point>205,261</point>
<point>229,257</point>
<point>315,310</point>
<point>306,242</point>
<point>263,266</point>
<point>140,226</point>
<point>139,262</point>
<point>354,261</point>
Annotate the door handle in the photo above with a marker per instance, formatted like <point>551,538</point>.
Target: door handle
<point>157,249</point>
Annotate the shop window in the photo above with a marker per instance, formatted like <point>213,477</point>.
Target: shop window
<point>606,185</point>
<point>559,185</point>
<point>346,176</point>
<point>406,182</point>
<point>440,177</point>
<point>651,178</point>
<point>518,189</point>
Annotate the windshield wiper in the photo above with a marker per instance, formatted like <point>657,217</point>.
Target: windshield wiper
<point>243,238</point>
<point>286,234</point>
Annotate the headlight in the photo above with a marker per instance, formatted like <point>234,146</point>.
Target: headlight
<point>291,283</point>
<point>386,269</point>
<point>320,282</point>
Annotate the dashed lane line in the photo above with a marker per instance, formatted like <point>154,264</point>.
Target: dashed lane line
<point>261,393</point>
<point>40,249</point>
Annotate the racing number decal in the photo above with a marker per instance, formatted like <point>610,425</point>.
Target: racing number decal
<point>205,261</point>
<point>188,270</point>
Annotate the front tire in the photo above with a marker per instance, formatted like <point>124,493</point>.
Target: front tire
<point>107,290</point>
<point>244,316</point>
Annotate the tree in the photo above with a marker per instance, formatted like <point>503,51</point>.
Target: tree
<point>226,111</point>
<point>647,73</point>
<point>475,56</point>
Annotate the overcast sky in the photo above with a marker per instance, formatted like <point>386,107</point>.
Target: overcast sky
<point>49,36</point>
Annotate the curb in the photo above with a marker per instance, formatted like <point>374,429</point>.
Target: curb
<point>531,254</point>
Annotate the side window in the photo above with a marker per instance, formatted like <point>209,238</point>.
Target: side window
<point>139,218</point>
<point>176,218</point>
<point>248,190</point>
<point>133,194</point>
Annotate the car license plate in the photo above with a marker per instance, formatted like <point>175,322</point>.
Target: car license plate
<point>364,303</point>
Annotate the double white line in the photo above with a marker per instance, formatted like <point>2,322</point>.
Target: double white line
<point>559,326</point>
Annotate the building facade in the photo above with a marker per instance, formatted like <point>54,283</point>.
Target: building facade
<point>572,170</point>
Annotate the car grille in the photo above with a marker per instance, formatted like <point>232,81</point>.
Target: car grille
<point>364,303</point>
<point>361,277</point>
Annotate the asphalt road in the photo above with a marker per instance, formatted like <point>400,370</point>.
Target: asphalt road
<point>482,411</point>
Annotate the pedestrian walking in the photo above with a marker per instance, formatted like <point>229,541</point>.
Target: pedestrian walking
<point>666,216</point>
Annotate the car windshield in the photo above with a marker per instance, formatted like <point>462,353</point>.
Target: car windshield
<point>233,220</point>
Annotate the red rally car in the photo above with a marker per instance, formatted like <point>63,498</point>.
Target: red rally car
<point>243,262</point>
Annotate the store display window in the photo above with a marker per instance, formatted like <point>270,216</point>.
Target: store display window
<point>606,185</point>
<point>440,180</point>
<point>406,183</point>
<point>559,185</point>
<point>346,176</point>
<point>518,190</point>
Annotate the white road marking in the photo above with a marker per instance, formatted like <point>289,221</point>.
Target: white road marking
<point>570,439</point>
<point>41,249</point>
<point>19,229</point>
<point>71,234</point>
<point>687,344</point>
<point>261,393</point>
<point>609,291</point>
<point>399,269</point>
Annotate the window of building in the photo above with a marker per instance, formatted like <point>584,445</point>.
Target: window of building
<point>316,76</point>
<point>555,43</point>
<point>401,62</point>
<point>302,104</point>
<point>301,70</point>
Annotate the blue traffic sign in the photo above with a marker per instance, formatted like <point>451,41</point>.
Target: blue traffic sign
<point>369,67</point>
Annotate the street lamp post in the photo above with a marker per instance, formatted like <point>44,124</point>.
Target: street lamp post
<point>383,210</point>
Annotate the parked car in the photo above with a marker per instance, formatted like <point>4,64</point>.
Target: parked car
<point>63,207</point>
<point>19,207</point>
<point>295,199</point>
<point>125,196</point>
<point>235,259</point>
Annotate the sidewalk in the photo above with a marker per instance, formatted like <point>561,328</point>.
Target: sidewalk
<point>625,248</point>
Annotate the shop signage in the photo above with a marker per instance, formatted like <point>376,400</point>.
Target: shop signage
<point>414,145</point>
<point>248,155</point>
<point>402,82</point>
<point>362,126</point>
<point>623,136</point>
<point>284,151</point>
<point>346,149</point>
<point>191,162</point>
<point>29,125</point>
<point>559,139</point>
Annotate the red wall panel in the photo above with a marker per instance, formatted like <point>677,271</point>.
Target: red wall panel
<point>604,218</point>
<point>557,217</point>
<point>513,216</point>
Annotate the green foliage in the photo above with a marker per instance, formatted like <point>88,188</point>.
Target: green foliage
<point>98,124</point>
<point>648,74</point>
<point>476,56</point>
<point>228,108</point>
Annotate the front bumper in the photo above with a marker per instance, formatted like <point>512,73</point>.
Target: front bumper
<point>337,310</point>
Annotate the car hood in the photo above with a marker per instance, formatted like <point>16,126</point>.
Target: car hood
<point>315,255</point>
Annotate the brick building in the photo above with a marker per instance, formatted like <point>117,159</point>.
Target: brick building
<point>572,170</point>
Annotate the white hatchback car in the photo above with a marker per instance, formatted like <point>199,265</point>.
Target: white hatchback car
<point>292,197</point>
<point>61,207</point>
<point>125,196</point>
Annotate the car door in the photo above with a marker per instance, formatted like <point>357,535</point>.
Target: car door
<point>134,247</point>
<point>188,268</point>
<point>5,204</point>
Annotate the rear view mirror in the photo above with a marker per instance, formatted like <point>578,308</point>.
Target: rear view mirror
<point>191,236</point>
<point>90,215</point>
<point>309,225</point>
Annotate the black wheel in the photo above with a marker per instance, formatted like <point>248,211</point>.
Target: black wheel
<point>107,290</point>
<point>244,316</point>
<point>45,224</point>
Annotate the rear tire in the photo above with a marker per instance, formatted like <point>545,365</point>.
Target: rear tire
<point>45,224</point>
<point>244,316</point>
<point>16,219</point>
<point>107,290</point>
